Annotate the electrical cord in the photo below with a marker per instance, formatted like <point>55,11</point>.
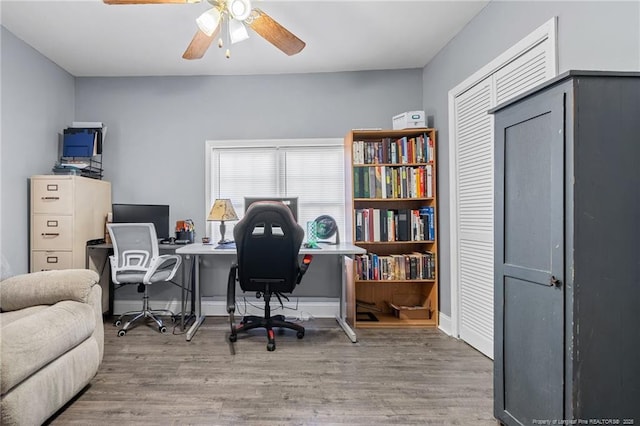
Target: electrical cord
<point>301,316</point>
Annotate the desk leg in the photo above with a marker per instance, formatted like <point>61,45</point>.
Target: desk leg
<point>347,275</point>
<point>198,300</point>
<point>186,277</point>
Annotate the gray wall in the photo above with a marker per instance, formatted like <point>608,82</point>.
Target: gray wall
<point>591,35</point>
<point>157,128</point>
<point>37,103</point>
<point>157,125</point>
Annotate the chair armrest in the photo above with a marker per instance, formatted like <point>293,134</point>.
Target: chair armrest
<point>306,261</point>
<point>231,289</point>
<point>163,262</point>
<point>46,288</point>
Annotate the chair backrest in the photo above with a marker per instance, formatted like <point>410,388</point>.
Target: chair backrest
<point>268,241</point>
<point>135,248</point>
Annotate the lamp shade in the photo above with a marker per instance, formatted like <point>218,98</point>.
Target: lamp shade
<point>237,31</point>
<point>208,21</point>
<point>222,210</point>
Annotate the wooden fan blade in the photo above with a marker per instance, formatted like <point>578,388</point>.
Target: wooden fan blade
<point>274,33</point>
<point>199,44</point>
<point>148,1</point>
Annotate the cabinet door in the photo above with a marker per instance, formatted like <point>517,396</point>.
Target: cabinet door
<point>529,248</point>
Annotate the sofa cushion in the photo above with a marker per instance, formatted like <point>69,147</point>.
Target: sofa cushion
<point>42,394</point>
<point>46,288</point>
<point>7,318</point>
<point>33,341</point>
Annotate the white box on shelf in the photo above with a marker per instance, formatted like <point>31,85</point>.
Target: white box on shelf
<point>408,120</point>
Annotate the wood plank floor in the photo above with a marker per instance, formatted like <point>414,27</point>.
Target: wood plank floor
<point>398,376</point>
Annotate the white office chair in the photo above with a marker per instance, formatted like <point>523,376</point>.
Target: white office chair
<point>136,260</point>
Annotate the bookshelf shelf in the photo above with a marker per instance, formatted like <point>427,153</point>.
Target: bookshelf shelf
<point>391,200</point>
<point>389,243</point>
<point>394,281</point>
<point>386,320</point>
<point>391,197</point>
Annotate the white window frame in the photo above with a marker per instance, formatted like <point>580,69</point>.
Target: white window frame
<point>212,145</point>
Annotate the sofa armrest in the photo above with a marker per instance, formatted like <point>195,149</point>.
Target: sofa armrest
<point>46,288</point>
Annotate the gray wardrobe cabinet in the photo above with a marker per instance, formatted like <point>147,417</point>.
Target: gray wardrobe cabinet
<point>567,252</point>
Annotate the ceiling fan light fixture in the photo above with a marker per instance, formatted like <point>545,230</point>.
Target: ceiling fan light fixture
<point>237,31</point>
<point>239,9</point>
<point>208,21</point>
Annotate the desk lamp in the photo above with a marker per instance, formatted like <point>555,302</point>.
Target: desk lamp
<point>222,210</point>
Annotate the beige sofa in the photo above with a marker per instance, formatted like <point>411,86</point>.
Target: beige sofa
<point>51,341</point>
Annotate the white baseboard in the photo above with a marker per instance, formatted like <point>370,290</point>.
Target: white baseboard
<point>305,309</point>
<point>444,323</point>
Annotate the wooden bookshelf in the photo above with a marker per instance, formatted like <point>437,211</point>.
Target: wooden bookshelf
<point>390,178</point>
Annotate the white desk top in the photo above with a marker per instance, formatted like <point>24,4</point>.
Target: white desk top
<point>342,248</point>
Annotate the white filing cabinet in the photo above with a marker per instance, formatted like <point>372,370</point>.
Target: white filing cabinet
<point>66,212</point>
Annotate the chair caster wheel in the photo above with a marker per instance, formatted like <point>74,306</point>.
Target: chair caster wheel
<point>300,334</point>
<point>162,329</point>
<point>173,319</point>
<point>233,338</point>
<point>271,347</point>
<point>122,333</point>
<point>117,323</point>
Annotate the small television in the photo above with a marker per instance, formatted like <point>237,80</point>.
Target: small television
<point>291,202</point>
<point>158,214</point>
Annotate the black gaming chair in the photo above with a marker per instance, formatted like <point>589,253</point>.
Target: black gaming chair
<point>268,240</point>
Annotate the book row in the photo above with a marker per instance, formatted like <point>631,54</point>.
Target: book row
<point>393,182</point>
<point>412,266</point>
<point>377,225</point>
<point>406,150</point>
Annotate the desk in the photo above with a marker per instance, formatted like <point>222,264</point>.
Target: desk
<point>341,250</point>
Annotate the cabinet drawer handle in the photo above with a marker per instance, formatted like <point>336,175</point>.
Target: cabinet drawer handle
<point>52,187</point>
<point>52,259</point>
<point>50,234</point>
<point>50,198</point>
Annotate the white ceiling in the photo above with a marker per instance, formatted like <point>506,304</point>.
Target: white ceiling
<point>89,38</point>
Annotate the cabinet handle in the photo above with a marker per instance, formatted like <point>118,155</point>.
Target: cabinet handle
<point>50,234</point>
<point>50,198</point>
<point>554,282</point>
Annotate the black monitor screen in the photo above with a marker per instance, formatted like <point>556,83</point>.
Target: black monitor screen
<point>143,213</point>
<point>291,202</point>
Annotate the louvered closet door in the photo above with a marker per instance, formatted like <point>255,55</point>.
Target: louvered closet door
<point>474,147</point>
<point>474,135</point>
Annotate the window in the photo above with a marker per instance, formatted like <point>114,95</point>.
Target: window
<point>310,169</point>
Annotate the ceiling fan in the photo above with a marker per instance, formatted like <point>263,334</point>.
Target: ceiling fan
<point>234,15</point>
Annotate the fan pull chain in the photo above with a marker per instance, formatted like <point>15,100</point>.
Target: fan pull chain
<point>227,54</point>
<point>220,43</point>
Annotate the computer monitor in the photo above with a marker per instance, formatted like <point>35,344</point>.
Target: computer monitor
<point>291,202</point>
<point>143,213</point>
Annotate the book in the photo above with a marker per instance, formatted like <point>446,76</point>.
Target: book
<point>376,225</point>
<point>384,225</point>
<point>358,214</point>
<point>403,225</point>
